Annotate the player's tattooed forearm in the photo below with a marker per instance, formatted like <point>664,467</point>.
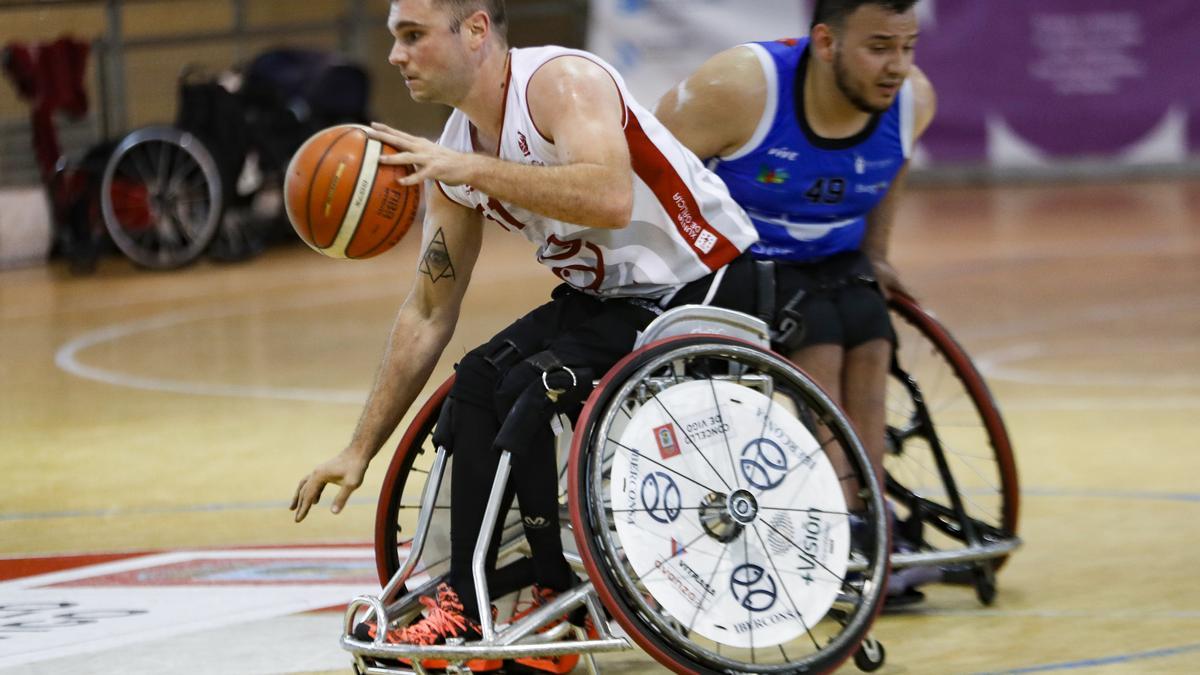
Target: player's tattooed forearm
<point>435,262</point>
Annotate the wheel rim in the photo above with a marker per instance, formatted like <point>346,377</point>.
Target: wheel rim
<point>679,643</point>
<point>161,197</point>
<point>967,425</point>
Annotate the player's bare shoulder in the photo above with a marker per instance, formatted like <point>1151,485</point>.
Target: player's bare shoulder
<point>572,83</point>
<point>924,99</point>
<point>725,95</point>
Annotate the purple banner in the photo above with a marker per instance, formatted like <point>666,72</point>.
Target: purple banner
<point>1028,82</point>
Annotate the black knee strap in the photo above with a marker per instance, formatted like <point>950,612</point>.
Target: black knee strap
<point>547,388</point>
<point>504,357</point>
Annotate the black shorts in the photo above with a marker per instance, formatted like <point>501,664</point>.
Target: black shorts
<point>734,291</point>
<point>841,303</point>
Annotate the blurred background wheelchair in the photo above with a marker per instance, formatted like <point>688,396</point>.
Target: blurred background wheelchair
<point>211,182</point>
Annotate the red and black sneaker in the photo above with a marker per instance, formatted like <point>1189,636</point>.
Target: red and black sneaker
<point>444,618</point>
<point>550,664</point>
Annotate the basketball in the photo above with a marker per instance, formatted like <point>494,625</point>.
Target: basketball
<point>341,201</point>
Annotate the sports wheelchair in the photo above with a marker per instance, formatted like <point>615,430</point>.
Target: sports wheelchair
<point>213,181</point>
<point>699,498</point>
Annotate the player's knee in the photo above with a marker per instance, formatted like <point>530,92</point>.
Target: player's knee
<point>475,380</point>
<point>526,428</point>
<point>874,349</point>
<point>534,392</point>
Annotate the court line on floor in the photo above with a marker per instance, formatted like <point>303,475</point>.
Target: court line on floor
<point>983,613</point>
<point>1101,661</point>
<point>206,288</point>
<point>1071,318</point>
<point>1094,403</point>
<point>1144,496</point>
<point>67,356</point>
<point>1130,495</point>
<point>1000,364</point>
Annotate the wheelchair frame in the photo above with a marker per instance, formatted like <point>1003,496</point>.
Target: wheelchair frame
<point>985,545</point>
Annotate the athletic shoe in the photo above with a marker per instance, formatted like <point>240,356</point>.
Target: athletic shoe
<point>444,618</point>
<point>551,664</point>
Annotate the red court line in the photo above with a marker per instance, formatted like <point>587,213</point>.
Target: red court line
<point>16,568</point>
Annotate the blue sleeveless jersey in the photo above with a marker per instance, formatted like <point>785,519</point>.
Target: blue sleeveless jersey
<point>809,196</point>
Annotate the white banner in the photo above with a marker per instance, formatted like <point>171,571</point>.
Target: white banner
<point>656,43</point>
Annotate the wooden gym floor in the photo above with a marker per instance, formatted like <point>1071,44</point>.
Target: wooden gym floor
<point>173,413</point>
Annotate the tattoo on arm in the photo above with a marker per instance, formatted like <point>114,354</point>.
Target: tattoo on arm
<point>435,262</point>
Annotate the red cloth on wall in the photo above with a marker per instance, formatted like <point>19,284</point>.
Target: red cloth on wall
<point>50,76</point>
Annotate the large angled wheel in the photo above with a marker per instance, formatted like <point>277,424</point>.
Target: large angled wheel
<point>161,197</point>
<point>948,446</point>
<point>710,517</point>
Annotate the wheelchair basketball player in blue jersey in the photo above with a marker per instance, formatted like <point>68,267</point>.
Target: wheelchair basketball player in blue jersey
<point>813,137</point>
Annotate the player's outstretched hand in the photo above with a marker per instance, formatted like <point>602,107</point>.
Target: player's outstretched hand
<point>346,470</point>
<point>431,161</point>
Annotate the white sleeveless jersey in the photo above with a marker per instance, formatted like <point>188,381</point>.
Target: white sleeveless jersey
<point>684,223</point>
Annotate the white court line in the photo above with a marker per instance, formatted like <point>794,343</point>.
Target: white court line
<point>993,364</point>
<point>176,295</point>
<point>1095,403</point>
<point>1072,318</point>
<point>67,356</point>
<point>123,615</point>
<point>1098,614</point>
<point>996,364</point>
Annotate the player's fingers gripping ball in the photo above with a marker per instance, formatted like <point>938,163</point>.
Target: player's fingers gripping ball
<point>342,201</point>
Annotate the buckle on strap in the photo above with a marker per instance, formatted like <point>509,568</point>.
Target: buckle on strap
<point>553,393</point>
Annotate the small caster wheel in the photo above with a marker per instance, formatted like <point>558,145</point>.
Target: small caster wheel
<point>870,655</point>
<point>985,583</point>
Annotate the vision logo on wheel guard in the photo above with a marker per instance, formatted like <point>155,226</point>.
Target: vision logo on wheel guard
<point>772,554</point>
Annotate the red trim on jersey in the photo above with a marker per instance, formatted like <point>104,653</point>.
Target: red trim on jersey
<point>570,249</point>
<point>676,198</point>
<point>503,110</point>
<point>495,205</point>
<point>624,108</point>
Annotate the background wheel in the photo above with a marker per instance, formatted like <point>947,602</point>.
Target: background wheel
<point>936,393</point>
<point>716,553</point>
<point>161,197</point>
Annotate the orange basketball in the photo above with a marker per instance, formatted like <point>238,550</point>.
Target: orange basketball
<point>342,202</point>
